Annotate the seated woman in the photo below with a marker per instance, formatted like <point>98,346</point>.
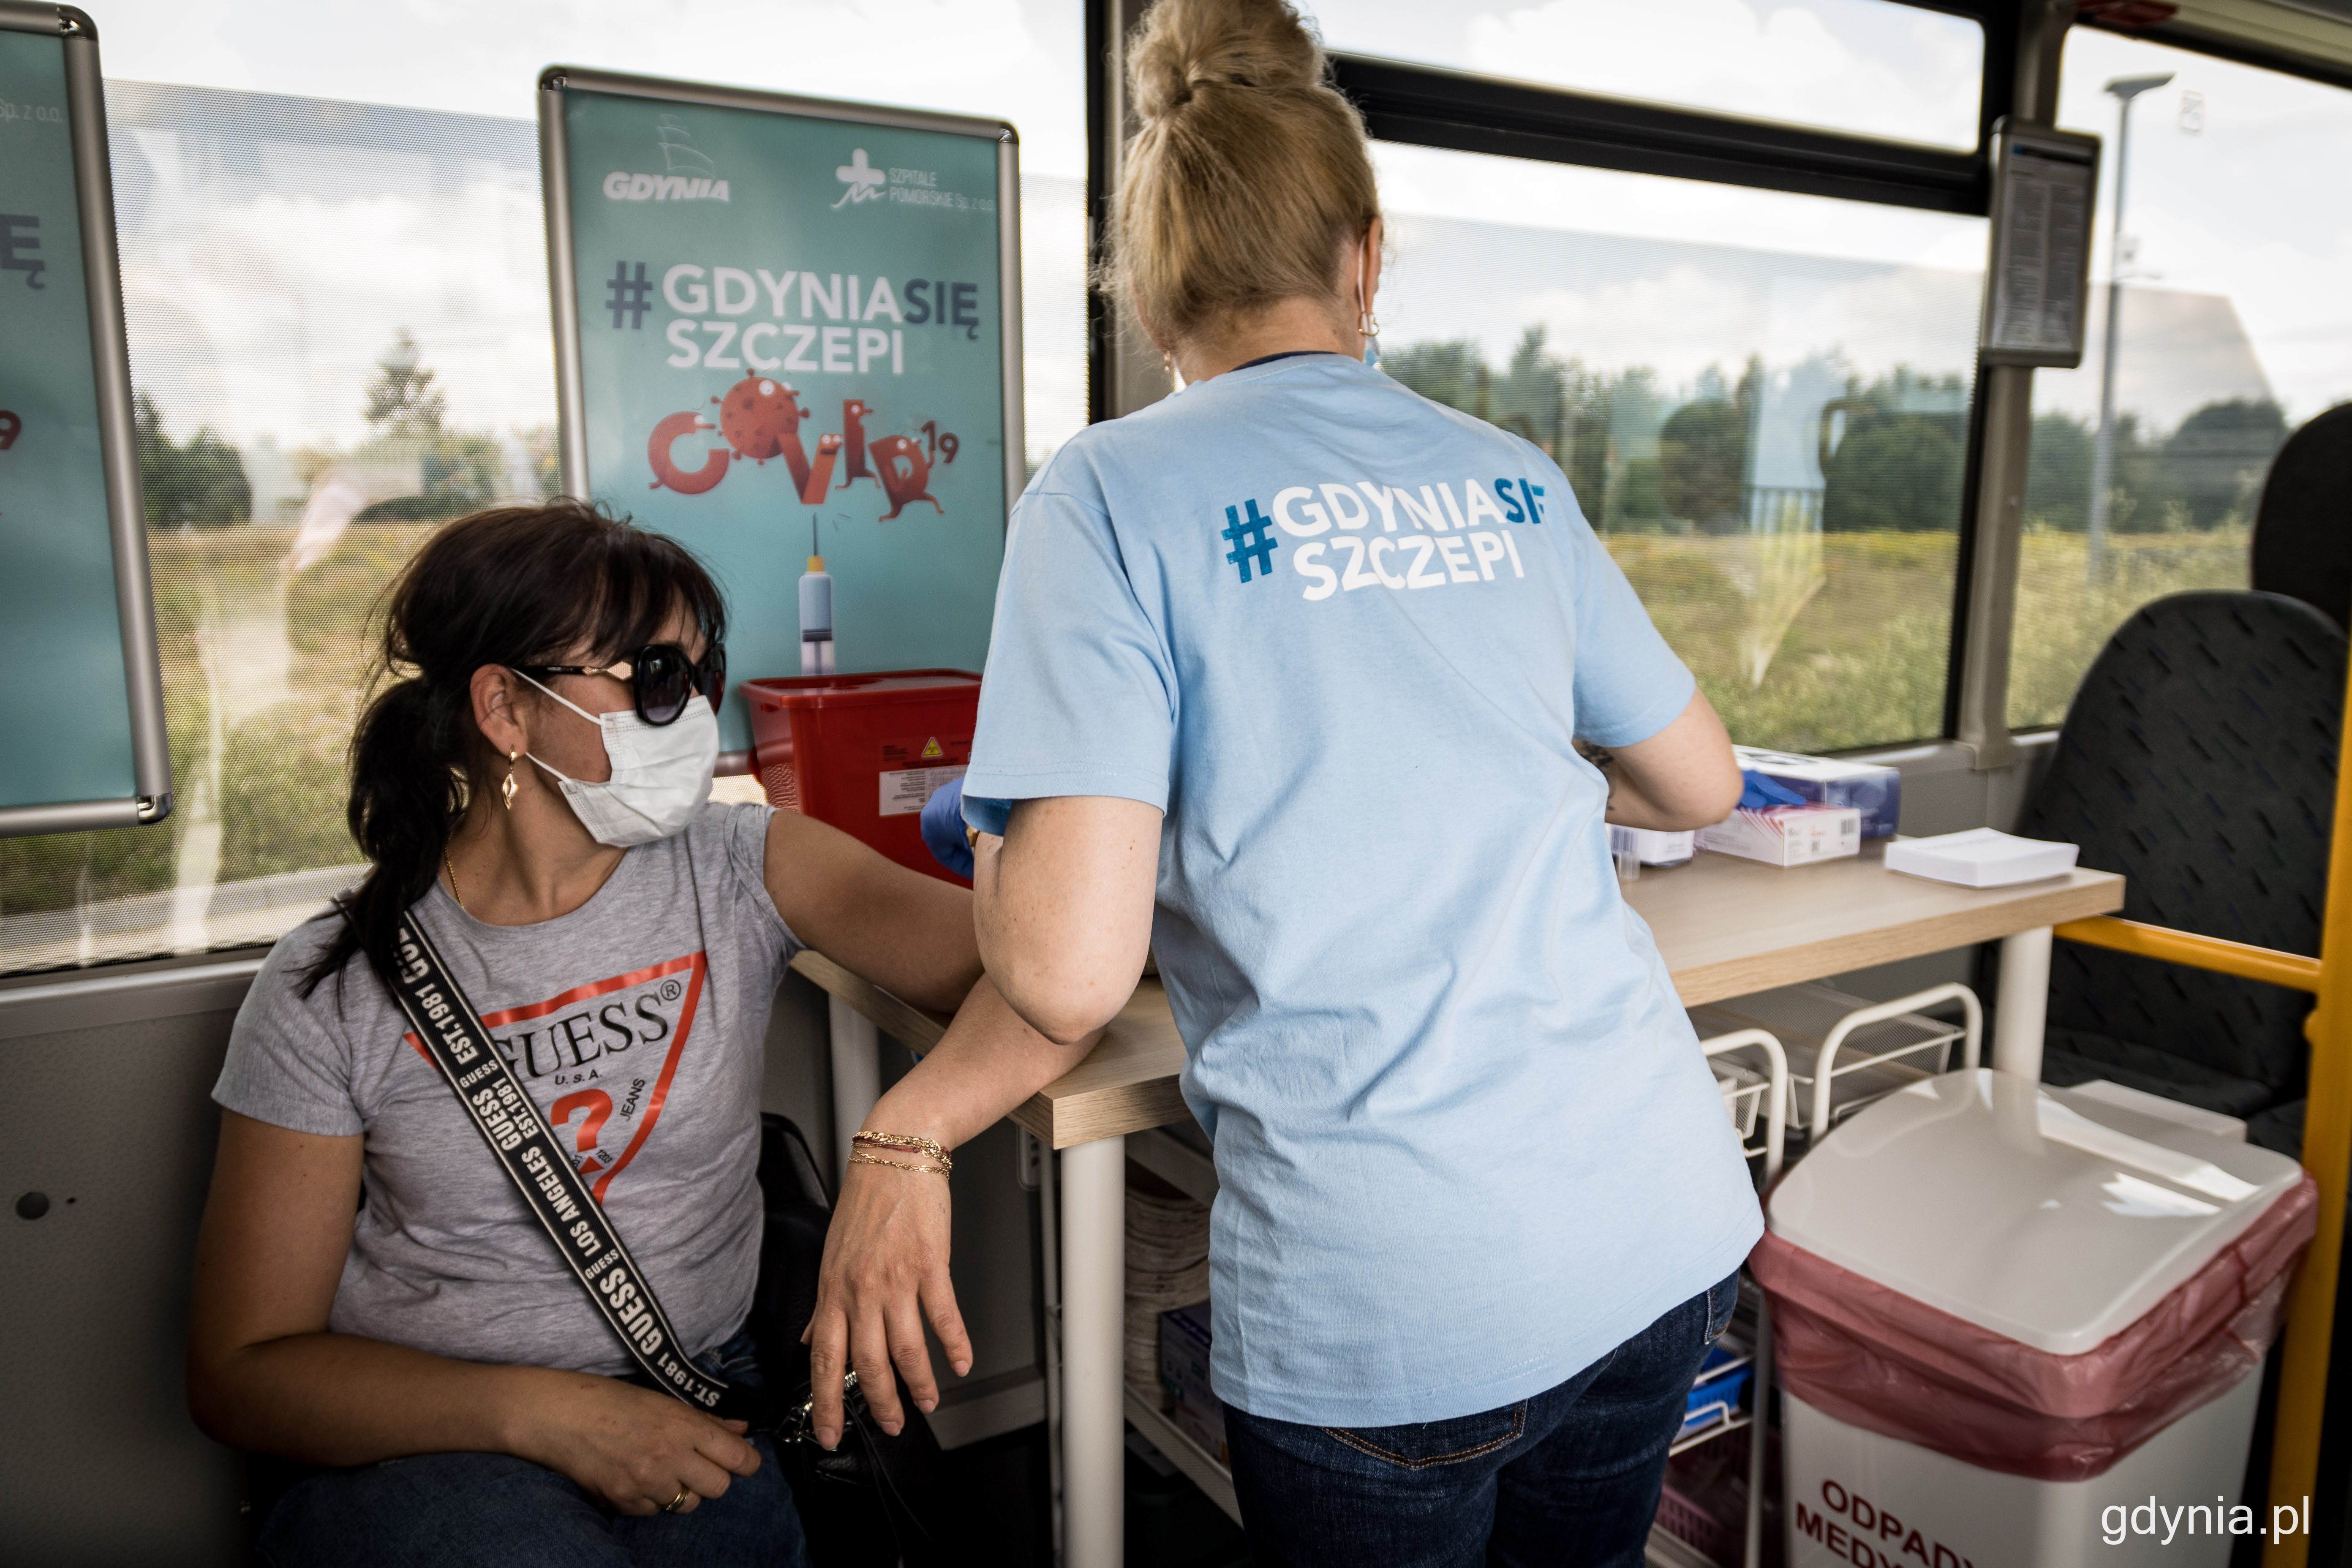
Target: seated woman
<point>373,1296</point>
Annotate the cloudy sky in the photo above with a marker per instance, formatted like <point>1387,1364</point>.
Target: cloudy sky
<point>1013,59</point>
<point>2255,206</point>
<point>2254,209</point>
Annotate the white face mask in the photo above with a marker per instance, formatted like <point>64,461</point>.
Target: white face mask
<point>661,774</point>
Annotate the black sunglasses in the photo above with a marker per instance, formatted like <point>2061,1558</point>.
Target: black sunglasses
<point>661,676</point>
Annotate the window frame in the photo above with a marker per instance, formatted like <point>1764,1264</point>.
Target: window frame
<point>1430,106</point>
<point>1463,111</point>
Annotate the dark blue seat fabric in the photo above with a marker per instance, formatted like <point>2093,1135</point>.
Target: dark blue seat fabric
<point>2199,760</point>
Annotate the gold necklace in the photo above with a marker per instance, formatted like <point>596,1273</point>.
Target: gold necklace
<point>452,877</point>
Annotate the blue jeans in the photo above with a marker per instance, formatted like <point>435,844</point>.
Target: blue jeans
<point>494,1510</point>
<point>1566,1479</point>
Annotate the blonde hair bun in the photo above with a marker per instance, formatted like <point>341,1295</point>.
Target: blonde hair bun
<point>1249,173</point>
<point>1185,45</point>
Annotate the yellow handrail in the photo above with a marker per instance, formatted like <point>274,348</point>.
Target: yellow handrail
<point>2244,960</point>
<point>2327,1156</point>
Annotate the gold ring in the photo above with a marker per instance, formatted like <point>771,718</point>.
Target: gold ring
<point>679,1501</point>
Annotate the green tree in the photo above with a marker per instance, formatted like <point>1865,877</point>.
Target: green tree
<point>1535,396</point>
<point>1703,454</point>
<point>2219,455</point>
<point>2146,497</point>
<point>402,400</point>
<point>2058,472</point>
<point>1452,371</point>
<point>200,483</point>
<point>457,471</point>
<point>1901,472</point>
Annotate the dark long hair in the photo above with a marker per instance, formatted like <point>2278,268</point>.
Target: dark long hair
<point>516,585</point>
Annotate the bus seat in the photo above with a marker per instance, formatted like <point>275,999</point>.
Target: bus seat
<point>2198,759</point>
<point>2303,529</point>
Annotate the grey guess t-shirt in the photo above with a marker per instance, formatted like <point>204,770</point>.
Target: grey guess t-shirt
<point>634,1023</point>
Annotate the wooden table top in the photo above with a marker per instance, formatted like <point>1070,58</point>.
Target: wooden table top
<point>1729,926</point>
<point>1726,927</point>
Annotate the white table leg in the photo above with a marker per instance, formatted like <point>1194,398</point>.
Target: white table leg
<point>2023,1003</point>
<point>1094,1310</point>
<point>856,1075</point>
<point>1758,1440</point>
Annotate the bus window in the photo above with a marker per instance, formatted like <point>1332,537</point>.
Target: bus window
<point>2236,328</point>
<point>1761,400</point>
<point>339,338</point>
<point>1867,68</point>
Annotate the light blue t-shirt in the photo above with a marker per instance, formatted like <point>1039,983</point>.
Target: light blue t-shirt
<point>1466,1140</point>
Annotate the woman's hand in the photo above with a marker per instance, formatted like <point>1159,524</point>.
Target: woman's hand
<point>885,1273</point>
<point>629,1447</point>
<point>886,1251</point>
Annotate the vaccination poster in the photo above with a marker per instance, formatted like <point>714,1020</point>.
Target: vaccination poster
<point>791,342</point>
<point>64,713</point>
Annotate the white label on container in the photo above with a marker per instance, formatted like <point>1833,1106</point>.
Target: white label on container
<point>905,790</point>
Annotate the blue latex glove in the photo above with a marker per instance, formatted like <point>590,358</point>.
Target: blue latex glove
<point>944,827</point>
<point>1757,791</point>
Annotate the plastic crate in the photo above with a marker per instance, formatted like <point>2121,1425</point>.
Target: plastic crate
<point>863,752</point>
<point>1723,1379</point>
<point>1689,1522</point>
<point>1703,1502</point>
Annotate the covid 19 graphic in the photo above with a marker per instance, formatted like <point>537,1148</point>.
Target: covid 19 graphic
<point>760,419</point>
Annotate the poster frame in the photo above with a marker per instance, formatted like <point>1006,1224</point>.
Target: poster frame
<point>2009,137</point>
<point>150,749</point>
<point>564,293</point>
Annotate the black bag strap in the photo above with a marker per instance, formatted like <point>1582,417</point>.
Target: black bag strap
<point>454,1036</point>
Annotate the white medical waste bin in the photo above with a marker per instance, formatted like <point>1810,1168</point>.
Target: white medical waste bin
<point>2007,1316</point>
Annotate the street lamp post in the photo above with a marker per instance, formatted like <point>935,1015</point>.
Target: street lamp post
<point>2103,456</point>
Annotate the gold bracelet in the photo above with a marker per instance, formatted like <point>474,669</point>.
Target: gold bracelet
<point>860,1157</point>
<point>904,1143</point>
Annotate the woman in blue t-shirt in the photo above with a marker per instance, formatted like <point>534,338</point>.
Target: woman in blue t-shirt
<point>1288,681</point>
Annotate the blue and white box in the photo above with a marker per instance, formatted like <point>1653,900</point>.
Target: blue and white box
<point>1874,790</point>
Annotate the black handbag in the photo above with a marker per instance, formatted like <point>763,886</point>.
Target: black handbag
<point>873,1503</point>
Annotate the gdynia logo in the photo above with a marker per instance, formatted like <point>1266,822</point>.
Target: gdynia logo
<point>686,176</point>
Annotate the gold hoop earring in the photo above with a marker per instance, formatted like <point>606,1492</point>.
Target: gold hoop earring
<point>1368,324</point>
<point>507,788</point>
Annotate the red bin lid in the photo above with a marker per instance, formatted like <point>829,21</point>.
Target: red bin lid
<point>879,688</point>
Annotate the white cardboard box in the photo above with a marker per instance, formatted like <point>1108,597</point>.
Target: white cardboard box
<point>1980,857</point>
<point>1656,847</point>
<point>1786,835</point>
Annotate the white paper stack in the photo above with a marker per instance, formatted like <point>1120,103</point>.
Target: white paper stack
<point>1980,857</point>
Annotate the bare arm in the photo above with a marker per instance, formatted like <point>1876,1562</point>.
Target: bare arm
<point>1064,907</point>
<point>908,934</point>
<point>885,1252</point>
<point>1680,778</point>
<point>264,1373</point>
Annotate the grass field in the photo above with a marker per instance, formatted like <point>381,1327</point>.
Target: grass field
<point>2062,619</point>
<point>1862,663</point>
<point>263,676</point>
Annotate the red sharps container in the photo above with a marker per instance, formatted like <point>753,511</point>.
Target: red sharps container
<point>863,752</point>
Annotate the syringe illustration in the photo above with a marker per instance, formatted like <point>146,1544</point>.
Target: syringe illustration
<point>817,612</point>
